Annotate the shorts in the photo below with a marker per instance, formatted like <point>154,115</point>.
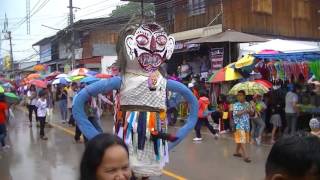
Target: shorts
<point>241,136</point>
<point>276,120</point>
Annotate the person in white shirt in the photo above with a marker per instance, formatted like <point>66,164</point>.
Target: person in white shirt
<point>291,109</point>
<point>41,112</point>
<point>31,102</point>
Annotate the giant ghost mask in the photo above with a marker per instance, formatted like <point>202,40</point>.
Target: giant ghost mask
<point>141,120</point>
<point>150,46</point>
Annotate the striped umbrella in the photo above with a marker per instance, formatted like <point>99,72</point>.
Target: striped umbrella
<point>225,74</point>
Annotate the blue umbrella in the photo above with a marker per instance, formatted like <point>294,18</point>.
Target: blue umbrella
<point>7,85</point>
<point>64,81</point>
<point>91,73</point>
<point>89,80</point>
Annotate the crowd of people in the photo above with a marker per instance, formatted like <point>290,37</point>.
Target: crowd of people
<point>247,117</point>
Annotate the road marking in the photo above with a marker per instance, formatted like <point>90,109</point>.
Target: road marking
<point>68,131</point>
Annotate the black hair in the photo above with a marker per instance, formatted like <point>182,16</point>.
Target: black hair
<point>94,153</point>
<point>42,93</point>
<point>2,98</point>
<point>295,155</point>
<point>203,93</point>
<point>242,92</point>
<point>32,88</point>
<point>73,84</point>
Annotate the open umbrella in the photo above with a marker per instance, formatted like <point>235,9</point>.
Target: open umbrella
<point>1,89</point>
<point>103,76</point>
<point>39,83</point>
<point>225,74</point>
<point>265,83</point>
<point>251,88</point>
<point>64,81</point>
<point>39,67</point>
<point>52,75</point>
<point>11,97</point>
<point>245,61</point>
<point>76,78</point>
<point>7,85</point>
<point>89,80</point>
<point>34,76</point>
<point>79,72</point>
<point>91,73</point>
<point>62,76</point>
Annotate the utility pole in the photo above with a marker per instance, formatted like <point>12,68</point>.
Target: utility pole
<point>8,37</point>
<point>72,34</point>
<point>11,54</point>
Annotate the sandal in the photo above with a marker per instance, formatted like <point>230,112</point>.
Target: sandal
<point>237,155</point>
<point>247,160</point>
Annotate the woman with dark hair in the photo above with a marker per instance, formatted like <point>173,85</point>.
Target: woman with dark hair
<point>31,101</point>
<point>106,157</point>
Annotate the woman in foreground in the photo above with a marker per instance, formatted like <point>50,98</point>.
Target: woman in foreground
<point>106,157</point>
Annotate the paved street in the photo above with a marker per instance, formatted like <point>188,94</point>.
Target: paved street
<point>58,158</point>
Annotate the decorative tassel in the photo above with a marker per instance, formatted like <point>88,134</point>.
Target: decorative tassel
<point>142,124</point>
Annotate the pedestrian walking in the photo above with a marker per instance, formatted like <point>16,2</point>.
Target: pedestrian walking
<point>203,115</point>
<point>71,93</point>
<point>174,100</point>
<point>241,111</point>
<point>3,116</point>
<point>257,121</point>
<point>31,103</point>
<point>50,102</point>
<point>42,106</point>
<point>61,98</point>
<point>291,109</point>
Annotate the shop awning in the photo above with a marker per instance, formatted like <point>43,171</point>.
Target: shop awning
<point>197,33</point>
<point>229,36</point>
<point>290,56</point>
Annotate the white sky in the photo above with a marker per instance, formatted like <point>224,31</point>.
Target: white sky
<point>53,14</point>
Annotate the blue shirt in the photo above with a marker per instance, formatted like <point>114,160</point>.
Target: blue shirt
<point>241,121</point>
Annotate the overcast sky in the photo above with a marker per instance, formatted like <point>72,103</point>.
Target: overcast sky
<point>53,14</point>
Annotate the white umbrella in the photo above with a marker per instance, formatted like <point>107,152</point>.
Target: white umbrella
<point>281,45</point>
<point>61,81</point>
<point>62,76</point>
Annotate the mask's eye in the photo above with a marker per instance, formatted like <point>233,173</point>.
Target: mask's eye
<point>142,40</point>
<point>162,40</point>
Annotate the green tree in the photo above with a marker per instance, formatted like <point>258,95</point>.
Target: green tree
<point>133,8</point>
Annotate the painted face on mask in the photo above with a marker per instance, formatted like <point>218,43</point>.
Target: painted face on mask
<point>150,45</point>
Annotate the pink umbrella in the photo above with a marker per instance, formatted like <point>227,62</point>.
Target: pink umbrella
<point>39,83</point>
<point>269,51</point>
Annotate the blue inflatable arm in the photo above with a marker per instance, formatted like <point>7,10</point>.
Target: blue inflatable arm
<point>181,89</point>
<point>94,89</point>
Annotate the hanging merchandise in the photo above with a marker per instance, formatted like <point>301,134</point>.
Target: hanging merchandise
<point>315,68</point>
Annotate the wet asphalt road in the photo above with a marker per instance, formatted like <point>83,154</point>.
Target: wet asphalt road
<point>30,158</point>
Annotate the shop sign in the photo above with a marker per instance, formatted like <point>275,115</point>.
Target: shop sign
<point>216,57</point>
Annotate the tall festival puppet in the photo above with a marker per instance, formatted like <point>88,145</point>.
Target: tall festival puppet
<point>140,117</point>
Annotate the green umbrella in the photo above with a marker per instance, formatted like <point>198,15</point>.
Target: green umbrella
<point>76,78</point>
<point>11,97</point>
<point>1,89</point>
<point>251,88</point>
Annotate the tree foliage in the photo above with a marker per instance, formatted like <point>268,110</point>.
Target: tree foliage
<point>133,8</point>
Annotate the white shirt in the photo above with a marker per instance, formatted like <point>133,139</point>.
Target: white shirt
<point>42,107</point>
<point>291,99</point>
<point>32,95</point>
